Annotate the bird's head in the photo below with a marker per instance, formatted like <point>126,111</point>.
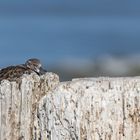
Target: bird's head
<point>35,65</point>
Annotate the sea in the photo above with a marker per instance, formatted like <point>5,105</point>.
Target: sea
<point>55,31</point>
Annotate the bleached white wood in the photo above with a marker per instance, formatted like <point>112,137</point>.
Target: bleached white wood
<point>90,109</point>
<point>18,103</point>
<point>42,108</point>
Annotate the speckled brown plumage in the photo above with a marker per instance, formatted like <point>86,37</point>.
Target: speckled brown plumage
<point>11,73</point>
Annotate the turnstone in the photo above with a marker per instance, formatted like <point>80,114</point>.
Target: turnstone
<point>11,73</point>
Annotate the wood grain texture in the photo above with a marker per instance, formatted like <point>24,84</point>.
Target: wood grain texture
<point>90,109</point>
<point>42,108</point>
<point>18,104</point>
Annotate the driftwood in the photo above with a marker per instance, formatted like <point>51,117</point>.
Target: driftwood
<point>42,108</point>
<point>18,103</point>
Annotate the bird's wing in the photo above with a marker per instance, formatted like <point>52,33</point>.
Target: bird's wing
<point>13,72</point>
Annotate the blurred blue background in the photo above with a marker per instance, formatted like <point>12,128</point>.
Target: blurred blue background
<point>72,38</point>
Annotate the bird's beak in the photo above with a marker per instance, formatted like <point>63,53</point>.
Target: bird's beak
<point>42,71</point>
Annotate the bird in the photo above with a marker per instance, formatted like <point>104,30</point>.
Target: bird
<point>11,73</point>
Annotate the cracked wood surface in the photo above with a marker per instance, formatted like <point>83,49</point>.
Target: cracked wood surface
<point>42,108</point>
<point>18,103</point>
<point>90,109</point>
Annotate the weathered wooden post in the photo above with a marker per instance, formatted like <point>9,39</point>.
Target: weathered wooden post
<point>42,108</point>
<point>90,109</point>
<point>18,103</point>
